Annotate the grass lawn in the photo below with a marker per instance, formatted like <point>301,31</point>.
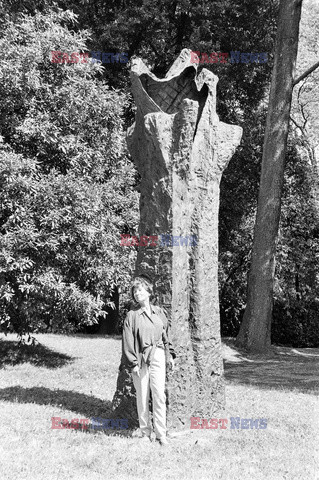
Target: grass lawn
<point>75,377</point>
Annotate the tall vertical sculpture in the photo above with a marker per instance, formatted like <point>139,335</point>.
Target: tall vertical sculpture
<point>180,149</point>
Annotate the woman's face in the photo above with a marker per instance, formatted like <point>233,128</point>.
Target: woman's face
<point>140,293</point>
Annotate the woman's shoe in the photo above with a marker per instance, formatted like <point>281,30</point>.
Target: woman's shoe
<point>163,441</point>
<point>138,434</point>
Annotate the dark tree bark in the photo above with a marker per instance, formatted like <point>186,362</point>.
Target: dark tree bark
<point>108,324</point>
<point>255,329</point>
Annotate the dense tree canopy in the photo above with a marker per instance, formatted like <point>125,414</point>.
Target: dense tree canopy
<point>66,184</point>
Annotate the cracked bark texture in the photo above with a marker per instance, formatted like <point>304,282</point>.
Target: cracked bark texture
<point>180,149</point>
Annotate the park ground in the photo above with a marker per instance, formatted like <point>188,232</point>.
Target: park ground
<point>75,377</point>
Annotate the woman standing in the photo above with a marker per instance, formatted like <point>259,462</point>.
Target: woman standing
<point>144,340</point>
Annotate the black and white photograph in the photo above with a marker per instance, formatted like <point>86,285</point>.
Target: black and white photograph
<point>159,239</point>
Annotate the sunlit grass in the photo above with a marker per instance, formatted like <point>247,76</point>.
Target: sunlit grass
<point>76,378</point>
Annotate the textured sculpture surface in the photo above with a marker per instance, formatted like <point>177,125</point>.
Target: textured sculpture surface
<point>180,149</point>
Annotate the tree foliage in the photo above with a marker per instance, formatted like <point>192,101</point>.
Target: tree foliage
<point>296,293</point>
<point>66,183</point>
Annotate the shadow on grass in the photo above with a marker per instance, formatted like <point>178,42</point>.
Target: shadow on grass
<point>83,406</point>
<point>92,336</point>
<point>283,368</point>
<point>11,353</point>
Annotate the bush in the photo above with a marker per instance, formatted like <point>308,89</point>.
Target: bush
<point>67,186</point>
<point>294,325</point>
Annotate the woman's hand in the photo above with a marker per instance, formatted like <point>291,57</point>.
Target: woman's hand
<point>136,371</point>
<point>172,363</point>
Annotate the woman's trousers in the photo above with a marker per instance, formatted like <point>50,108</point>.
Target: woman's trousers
<point>152,378</point>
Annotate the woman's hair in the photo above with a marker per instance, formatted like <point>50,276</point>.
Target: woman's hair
<point>145,282</point>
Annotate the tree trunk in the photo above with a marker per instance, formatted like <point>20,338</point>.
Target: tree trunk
<point>255,330</point>
<point>108,324</point>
